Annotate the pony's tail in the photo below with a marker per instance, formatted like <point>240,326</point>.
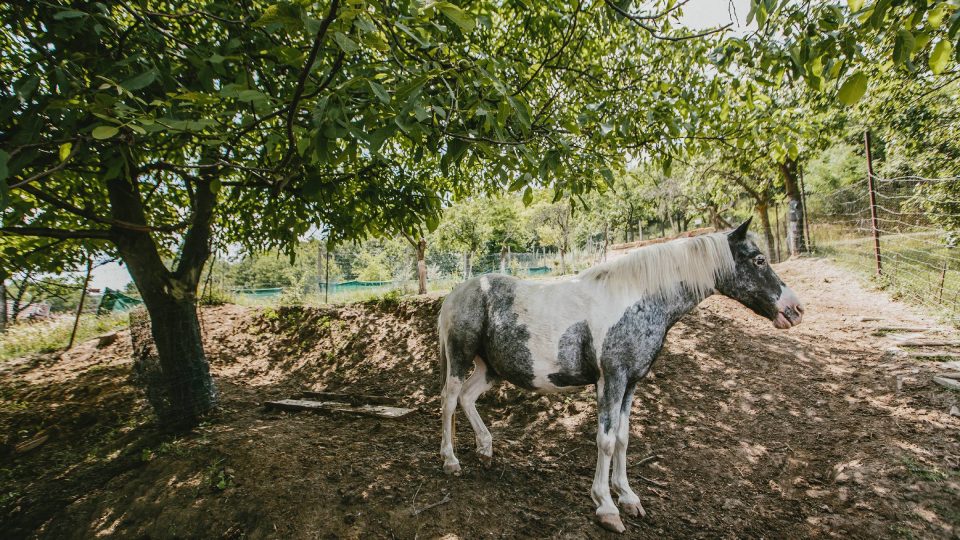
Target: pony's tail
<point>443,357</point>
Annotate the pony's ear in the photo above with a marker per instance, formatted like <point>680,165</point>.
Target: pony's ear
<point>740,233</point>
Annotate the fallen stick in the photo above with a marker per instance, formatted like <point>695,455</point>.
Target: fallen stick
<point>901,329</point>
<point>649,459</point>
<point>653,482</point>
<point>445,500</point>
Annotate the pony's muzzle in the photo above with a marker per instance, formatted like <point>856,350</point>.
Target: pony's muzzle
<point>789,310</point>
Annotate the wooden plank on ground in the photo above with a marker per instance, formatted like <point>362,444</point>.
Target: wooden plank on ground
<point>904,329</point>
<point>353,399</point>
<point>379,411</point>
<point>935,354</point>
<point>947,382</point>
<point>928,343</point>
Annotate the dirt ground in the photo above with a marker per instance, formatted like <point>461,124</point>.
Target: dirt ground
<point>816,431</point>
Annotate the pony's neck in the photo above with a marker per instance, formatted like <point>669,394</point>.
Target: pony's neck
<point>678,302</point>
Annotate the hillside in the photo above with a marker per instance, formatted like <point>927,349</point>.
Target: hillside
<point>817,430</point>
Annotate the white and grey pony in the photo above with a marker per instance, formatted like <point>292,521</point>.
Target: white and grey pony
<point>603,327</point>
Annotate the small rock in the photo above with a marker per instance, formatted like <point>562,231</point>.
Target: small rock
<point>106,339</point>
<point>954,411</point>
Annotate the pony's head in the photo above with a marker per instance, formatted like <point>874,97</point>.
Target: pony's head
<point>754,284</point>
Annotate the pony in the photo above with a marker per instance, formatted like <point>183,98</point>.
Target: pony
<point>604,327</point>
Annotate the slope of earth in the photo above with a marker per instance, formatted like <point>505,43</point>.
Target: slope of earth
<point>816,431</point>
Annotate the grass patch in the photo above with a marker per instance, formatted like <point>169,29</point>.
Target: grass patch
<point>54,333</point>
<point>918,268</point>
<point>930,474</point>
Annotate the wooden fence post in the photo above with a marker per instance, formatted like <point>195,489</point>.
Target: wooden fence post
<point>806,215</point>
<point>776,219</point>
<point>943,275</point>
<point>326,286</point>
<point>873,201</point>
<point>83,296</point>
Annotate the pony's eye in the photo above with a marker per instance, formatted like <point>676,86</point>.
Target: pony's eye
<point>760,260</point>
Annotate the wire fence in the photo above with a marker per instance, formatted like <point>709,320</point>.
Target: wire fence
<point>903,231</point>
<point>348,274</point>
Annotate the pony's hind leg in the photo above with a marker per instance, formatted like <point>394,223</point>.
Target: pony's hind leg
<point>610,392</point>
<point>448,407</point>
<point>627,499</point>
<point>477,384</point>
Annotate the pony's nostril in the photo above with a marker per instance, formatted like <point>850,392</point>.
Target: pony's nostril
<point>799,309</point>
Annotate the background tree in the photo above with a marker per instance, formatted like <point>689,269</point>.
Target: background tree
<point>551,221</point>
<point>465,228</point>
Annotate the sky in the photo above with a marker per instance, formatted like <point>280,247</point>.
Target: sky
<point>696,14</point>
<point>710,13</point>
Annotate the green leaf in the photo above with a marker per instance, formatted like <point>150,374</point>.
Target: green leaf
<point>215,186</point>
<point>433,221</point>
<point>458,16</point>
<point>378,137</point>
<point>793,151</point>
<point>140,81</point>
<point>903,46</point>
<point>380,91</point>
<point>607,176</point>
<point>346,44</point>
<point>853,89</point>
<point>527,196</point>
<point>854,5</point>
<point>940,56</point>
<point>25,87</point>
<point>251,95</point>
<point>935,17</point>
<point>284,14</point>
<point>65,150</point>
<point>105,132</point>
<point>68,14</point>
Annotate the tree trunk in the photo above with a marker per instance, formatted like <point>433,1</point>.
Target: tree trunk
<point>466,265</point>
<point>180,389</point>
<point>563,263</point>
<point>762,207</point>
<point>606,239</point>
<point>179,386</point>
<point>3,300</point>
<point>422,266</point>
<point>503,260</point>
<point>795,240</point>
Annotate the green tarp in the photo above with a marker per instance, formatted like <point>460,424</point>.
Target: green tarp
<point>116,301</point>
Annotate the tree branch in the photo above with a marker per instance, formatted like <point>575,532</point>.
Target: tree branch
<point>47,172</point>
<point>302,80</point>
<point>638,20</point>
<point>47,232</point>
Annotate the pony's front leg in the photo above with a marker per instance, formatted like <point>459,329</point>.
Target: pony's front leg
<point>627,499</point>
<point>610,392</point>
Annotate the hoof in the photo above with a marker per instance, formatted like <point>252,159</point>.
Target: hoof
<point>633,509</point>
<point>452,468</point>
<point>486,461</point>
<point>611,522</point>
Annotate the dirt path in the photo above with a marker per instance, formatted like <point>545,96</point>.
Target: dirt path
<point>760,433</point>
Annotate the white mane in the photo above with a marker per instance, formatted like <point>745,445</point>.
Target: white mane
<point>659,269</point>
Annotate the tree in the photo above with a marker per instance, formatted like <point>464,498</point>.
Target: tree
<point>552,222</point>
<point>464,228</point>
<point>504,215</point>
<point>148,128</point>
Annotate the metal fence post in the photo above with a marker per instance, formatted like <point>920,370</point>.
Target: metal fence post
<point>873,201</point>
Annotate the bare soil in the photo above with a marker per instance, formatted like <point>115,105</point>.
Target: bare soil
<point>816,431</point>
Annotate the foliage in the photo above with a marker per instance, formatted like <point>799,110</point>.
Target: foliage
<point>53,334</point>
